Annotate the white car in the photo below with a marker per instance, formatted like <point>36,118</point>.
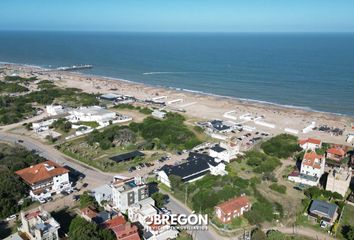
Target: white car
<point>11,218</point>
<point>41,200</point>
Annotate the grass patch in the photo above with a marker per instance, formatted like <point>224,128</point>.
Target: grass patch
<point>281,146</point>
<point>92,124</point>
<point>278,188</point>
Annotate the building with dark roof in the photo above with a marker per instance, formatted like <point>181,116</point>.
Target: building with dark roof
<point>324,211</point>
<point>219,126</point>
<point>127,156</point>
<point>196,167</point>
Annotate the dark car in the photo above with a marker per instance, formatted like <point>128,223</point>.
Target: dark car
<point>85,185</point>
<point>20,141</point>
<point>64,193</point>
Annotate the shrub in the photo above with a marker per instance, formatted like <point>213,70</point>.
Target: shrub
<point>281,146</point>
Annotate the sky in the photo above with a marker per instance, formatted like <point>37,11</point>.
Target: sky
<point>179,15</point>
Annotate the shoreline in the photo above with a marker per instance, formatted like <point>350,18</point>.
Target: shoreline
<point>204,107</point>
<point>184,90</point>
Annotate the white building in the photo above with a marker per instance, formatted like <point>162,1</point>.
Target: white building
<point>54,110</point>
<point>45,179</point>
<point>224,151</point>
<point>91,114</point>
<point>141,211</point>
<point>310,144</point>
<point>338,180</point>
<point>42,126</point>
<point>126,192</point>
<point>39,225</point>
<point>96,114</point>
<point>102,193</point>
<point>158,114</point>
<point>312,168</point>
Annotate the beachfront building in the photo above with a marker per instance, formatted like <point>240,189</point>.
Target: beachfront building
<point>45,179</point>
<point>225,151</point>
<point>38,224</point>
<point>312,168</point>
<point>324,212</point>
<point>54,110</point>
<point>232,208</point>
<point>195,168</point>
<point>141,212</point>
<point>97,114</point>
<point>158,114</point>
<point>310,144</point>
<point>219,126</point>
<point>126,192</point>
<point>338,180</point>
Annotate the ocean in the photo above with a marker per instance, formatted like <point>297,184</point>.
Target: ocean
<point>307,70</point>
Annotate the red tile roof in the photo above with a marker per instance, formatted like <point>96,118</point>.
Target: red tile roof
<point>89,212</point>
<point>310,159</point>
<point>336,151</point>
<point>126,231</point>
<point>234,204</point>
<point>41,172</point>
<point>310,140</point>
<point>116,221</point>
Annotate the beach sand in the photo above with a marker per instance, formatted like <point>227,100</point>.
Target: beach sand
<point>200,106</point>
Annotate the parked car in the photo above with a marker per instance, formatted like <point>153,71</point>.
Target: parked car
<point>85,185</point>
<point>65,193</point>
<point>11,218</point>
<point>42,200</point>
<point>20,141</point>
<point>49,199</point>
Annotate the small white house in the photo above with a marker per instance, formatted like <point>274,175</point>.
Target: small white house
<point>158,114</point>
<point>54,110</point>
<point>91,114</point>
<point>224,151</point>
<point>310,144</point>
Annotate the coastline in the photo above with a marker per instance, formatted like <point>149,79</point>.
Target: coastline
<point>240,100</point>
<point>202,106</point>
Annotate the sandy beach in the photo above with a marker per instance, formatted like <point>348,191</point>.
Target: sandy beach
<point>200,106</point>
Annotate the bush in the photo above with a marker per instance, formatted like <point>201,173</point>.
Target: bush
<point>82,229</point>
<point>171,131</point>
<point>281,146</point>
<point>261,162</point>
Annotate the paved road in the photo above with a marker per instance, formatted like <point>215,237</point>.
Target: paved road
<point>93,177</point>
<point>177,207</point>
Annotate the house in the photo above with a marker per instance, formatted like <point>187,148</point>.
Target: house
<point>232,208</point>
<point>54,110</point>
<point>312,168</point>
<point>38,224</point>
<point>95,114</point>
<point>219,126</point>
<point>336,154</point>
<point>127,156</point>
<point>144,210</point>
<point>196,167</point>
<point>323,211</point>
<point>224,151</point>
<point>42,125</point>
<point>110,97</point>
<point>126,192</point>
<point>102,193</point>
<point>122,229</point>
<point>310,144</point>
<point>158,114</point>
<point>88,214</point>
<point>45,179</point>
<point>338,180</point>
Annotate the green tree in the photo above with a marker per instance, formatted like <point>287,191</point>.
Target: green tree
<point>80,229</point>
<point>159,199</point>
<point>176,182</point>
<point>87,200</point>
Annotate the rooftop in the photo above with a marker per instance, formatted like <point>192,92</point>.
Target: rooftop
<point>336,151</point>
<point>323,208</point>
<point>127,156</point>
<point>312,159</point>
<point>218,149</point>
<point>41,172</point>
<point>234,204</point>
<point>310,140</point>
